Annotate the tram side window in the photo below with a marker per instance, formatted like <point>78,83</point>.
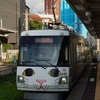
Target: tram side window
<point>66,53</point>
<point>80,52</point>
<point>63,57</point>
<point>78,55</point>
<point>72,54</point>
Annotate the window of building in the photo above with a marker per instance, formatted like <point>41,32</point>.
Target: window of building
<point>46,2</point>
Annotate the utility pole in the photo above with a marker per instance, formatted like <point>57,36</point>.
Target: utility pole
<point>16,23</point>
<point>19,26</point>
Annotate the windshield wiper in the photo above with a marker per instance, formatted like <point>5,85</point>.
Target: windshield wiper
<point>28,61</point>
<point>50,64</point>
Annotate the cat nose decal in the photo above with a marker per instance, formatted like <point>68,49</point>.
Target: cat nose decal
<point>41,82</point>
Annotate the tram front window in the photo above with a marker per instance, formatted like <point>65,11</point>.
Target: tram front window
<point>40,50</point>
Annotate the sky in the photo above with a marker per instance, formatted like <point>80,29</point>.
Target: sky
<point>36,6</point>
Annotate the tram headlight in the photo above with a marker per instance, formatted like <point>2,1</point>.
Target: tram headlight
<point>63,80</point>
<point>20,79</point>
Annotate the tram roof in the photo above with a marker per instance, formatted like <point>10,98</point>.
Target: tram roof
<point>48,32</point>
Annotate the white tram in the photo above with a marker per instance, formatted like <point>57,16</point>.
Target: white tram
<point>50,60</point>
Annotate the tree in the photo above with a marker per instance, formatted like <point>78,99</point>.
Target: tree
<point>35,24</point>
<point>6,47</point>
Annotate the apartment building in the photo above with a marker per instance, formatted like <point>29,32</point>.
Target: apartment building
<point>11,13</point>
<point>48,4</point>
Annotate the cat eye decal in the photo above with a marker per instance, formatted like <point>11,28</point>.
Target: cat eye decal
<point>54,73</point>
<point>28,72</point>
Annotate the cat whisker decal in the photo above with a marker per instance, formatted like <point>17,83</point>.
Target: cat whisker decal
<point>26,81</point>
<point>56,82</point>
<point>57,79</point>
<point>25,78</point>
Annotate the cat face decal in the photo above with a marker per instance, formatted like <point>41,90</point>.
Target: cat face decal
<point>50,78</point>
<point>54,73</point>
<point>28,72</point>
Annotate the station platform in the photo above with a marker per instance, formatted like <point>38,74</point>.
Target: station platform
<point>7,68</point>
<point>88,86</point>
<point>97,90</point>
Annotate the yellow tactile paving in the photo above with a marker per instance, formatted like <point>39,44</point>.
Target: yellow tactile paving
<point>97,91</point>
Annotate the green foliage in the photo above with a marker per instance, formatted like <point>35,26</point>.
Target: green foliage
<point>91,51</point>
<point>6,47</point>
<point>87,52</point>
<point>8,89</point>
<point>35,24</point>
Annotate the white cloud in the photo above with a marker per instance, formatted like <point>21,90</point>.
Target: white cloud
<point>36,6</point>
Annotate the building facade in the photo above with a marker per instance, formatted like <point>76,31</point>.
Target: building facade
<point>92,41</point>
<point>65,14</point>
<point>11,21</point>
<point>49,4</point>
<point>11,15</point>
<point>68,17</point>
<point>26,21</point>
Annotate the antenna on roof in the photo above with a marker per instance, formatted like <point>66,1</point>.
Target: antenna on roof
<point>53,8</point>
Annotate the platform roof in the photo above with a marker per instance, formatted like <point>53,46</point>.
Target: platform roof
<point>89,12</point>
<point>6,31</point>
